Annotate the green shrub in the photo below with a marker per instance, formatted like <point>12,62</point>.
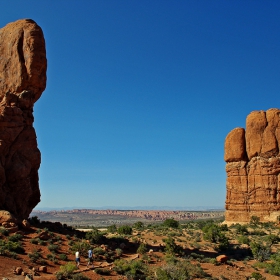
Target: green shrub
<point>53,248</point>
<point>243,239</point>
<point>254,221</point>
<point>132,269</point>
<point>257,276</point>
<point>180,271</point>
<point>15,237</point>
<point>102,271</point>
<point>79,276</point>
<point>94,236</point>
<point>171,223</point>
<point>66,271</point>
<point>34,220</point>
<point>260,251</point>
<point>112,229</point>
<point>98,251</point>
<point>35,256</point>
<point>241,229</point>
<point>119,252</point>
<point>63,257</point>
<point>171,247</point>
<point>126,230</point>
<point>142,249</point>
<point>139,225</point>
<point>4,231</point>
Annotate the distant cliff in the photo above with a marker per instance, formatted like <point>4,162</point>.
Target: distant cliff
<point>152,215</point>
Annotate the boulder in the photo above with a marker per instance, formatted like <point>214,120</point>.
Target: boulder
<point>22,81</point>
<point>221,258</point>
<point>18,270</point>
<point>6,217</point>
<point>253,168</point>
<point>43,269</point>
<point>25,224</point>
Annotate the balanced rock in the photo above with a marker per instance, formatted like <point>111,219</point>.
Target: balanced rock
<point>253,168</point>
<point>22,81</point>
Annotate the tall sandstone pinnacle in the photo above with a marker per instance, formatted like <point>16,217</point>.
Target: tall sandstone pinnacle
<point>253,169</point>
<point>23,67</point>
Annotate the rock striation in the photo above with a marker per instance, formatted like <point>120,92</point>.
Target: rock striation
<point>23,67</point>
<point>253,169</point>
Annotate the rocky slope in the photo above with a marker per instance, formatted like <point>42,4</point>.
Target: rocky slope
<point>253,167</point>
<point>22,81</point>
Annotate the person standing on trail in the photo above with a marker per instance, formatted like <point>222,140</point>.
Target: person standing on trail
<point>90,259</point>
<point>77,258</point>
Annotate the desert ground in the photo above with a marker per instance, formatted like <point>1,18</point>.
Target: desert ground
<point>204,249</point>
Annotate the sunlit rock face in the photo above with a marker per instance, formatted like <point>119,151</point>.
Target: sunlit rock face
<point>253,168</point>
<point>23,67</point>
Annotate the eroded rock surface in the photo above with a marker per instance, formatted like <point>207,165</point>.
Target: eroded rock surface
<point>23,67</point>
<point>253,168</point>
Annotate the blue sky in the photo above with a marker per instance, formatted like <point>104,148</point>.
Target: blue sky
<point>141,95</point>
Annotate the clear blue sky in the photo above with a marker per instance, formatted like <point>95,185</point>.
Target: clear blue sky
<point>141,95</point>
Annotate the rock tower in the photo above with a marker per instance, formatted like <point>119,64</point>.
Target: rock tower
<point>253,169</point>
<point>23,67</point>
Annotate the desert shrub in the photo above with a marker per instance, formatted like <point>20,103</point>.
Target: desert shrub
<point>102,271</point>
<point>53,248</point>
<point>34,220</point>
<point>224,227</point>
<point>94,236</point>
<point>35,256</point>
<point>4,231</point>
<point>79,276</point>
<point>213,233</point>
<point>241,229</point>
<point>66,271</point>
<point>196,256</point>
<point>34,240</point>
<point>254,221</point>
<point>139,225</point>
<point>126,230</point>
<point>271,239</point>
<point>171,223</point>
<point>52,257</point>
<point>112,229</point>
<point>243,239</point>
<point>171,247</point>
<point>132,269</point>
<point>260,251</point>
<point>273,266</point>
<point>119,252</point>
<point>258,232</point>
<point>98,251</point>
<point>142,249</point>
<point>63,257</point>
<point>9,246</point>
<point>15,237</point>
<point>180,271</point>
<point>257,275</point>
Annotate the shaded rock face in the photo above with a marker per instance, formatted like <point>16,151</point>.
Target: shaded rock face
<point>253,168</point>
<point>23,67</point>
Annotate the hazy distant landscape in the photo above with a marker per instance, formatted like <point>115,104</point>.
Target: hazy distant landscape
<point>104,218</point>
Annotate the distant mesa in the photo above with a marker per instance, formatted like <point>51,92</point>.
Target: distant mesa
<point>22,81</point>
<point>253,169</point>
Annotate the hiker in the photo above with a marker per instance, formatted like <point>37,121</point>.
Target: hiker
<point>77,258</point>
<point>90,259</point>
